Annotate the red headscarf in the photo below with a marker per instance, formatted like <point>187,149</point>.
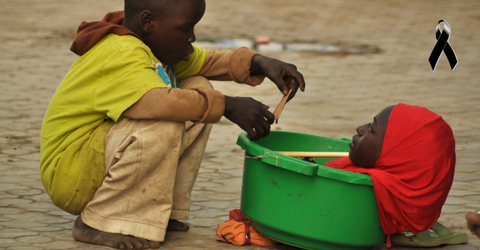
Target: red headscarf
<point>414,173</point>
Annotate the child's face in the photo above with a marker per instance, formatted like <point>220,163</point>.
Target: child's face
<point>366,145</point>
<point>173,34</point>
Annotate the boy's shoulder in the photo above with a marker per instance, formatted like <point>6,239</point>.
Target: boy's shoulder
<point>117,42</point>
<point>114,45</point>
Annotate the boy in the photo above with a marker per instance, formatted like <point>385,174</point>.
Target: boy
<point>118,144</point>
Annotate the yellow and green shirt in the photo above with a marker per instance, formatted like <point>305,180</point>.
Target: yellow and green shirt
<point>98,88</point>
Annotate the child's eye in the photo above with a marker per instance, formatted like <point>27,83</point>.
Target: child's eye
<point>186,29</point>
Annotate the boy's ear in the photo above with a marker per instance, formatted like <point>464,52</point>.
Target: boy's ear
<point>146,21</point>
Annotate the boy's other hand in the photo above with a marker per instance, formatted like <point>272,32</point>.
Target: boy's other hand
<point>284,75</point>
<point>250,115</point>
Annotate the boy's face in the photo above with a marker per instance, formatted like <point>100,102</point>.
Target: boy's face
<point>173,33</point>
<point>366,145</point>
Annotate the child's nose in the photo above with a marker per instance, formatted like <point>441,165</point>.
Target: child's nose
<point>192,38</point>
<point>361,129</point>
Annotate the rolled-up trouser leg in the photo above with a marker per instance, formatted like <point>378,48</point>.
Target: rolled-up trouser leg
<point>193,147</point>
<point>151,167</point>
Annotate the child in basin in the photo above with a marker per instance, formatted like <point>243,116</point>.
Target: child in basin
<point>409,152</point>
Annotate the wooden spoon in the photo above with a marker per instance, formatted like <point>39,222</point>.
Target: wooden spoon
<point>281,105</point>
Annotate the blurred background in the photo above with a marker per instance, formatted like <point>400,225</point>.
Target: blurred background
<point>357,57</point>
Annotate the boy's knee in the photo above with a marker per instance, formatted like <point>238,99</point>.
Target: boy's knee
<point>195,82</point>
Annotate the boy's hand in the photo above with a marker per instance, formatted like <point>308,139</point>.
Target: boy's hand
<point>250,115</point>
<point>473,223</point>
<point>284,75</point>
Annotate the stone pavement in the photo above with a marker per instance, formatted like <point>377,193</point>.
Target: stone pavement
<point>343,90</point>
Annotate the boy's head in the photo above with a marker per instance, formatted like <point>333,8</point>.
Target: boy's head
<point>366,145</point>
<point>166,26</point>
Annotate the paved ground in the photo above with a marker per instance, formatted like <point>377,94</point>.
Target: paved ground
<point>344,90</point>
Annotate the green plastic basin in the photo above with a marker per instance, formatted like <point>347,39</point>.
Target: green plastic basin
<point>306,204</point>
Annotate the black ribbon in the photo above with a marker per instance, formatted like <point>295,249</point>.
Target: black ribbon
<point>443,45</point>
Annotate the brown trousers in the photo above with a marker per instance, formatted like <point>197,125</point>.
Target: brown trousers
<point>151,167</point>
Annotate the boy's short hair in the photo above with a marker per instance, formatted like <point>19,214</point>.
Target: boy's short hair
<point>135,7</point>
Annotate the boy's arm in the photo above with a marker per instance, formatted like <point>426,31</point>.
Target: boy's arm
<point>240,65</point>
<point>210,105</point>
<point>243,65</point>
<point>231,65</point>
<point>246,66</point>
<point>197,105</point>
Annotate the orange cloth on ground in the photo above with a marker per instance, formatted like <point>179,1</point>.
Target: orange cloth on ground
<point>238,232</point>
<point>414,173</point>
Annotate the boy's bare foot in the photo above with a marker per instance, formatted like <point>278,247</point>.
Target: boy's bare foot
<point>175,225</point>
<point>84,233</point>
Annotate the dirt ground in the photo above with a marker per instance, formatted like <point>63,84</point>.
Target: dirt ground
<point>391,42</point>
